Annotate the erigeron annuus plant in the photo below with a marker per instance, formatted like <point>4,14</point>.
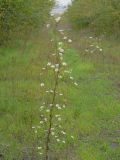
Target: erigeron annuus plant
<point>50,109</point>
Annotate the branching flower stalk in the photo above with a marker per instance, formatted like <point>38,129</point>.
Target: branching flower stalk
<point>57,73</point>
<point>51,117</point>
<point>47,121</point>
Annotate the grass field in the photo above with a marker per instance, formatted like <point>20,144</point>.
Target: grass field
<point>92,114</point>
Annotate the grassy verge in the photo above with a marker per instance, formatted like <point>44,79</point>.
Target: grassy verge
<point>94,106</point>
<point>20,94</point>
<point>92,112</point>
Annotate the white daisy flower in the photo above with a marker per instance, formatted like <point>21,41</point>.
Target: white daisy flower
<point>86,50</point>
<point>33,127</point>
<point>35,131</point>
<point>61,58</point>
<point>59,76</point>
<point>63,132</point>
<point>61,94</point>
<point>42,84</point>
<point>61,30</point>
<point>61,54</point>
<point>69,40</point>
<point>57,65</point>
<point>40,153</point>
<point>67,71</point>
<point>48,25</point>
<point>64,106</point>
<point>57,19</point>
<point>51,91</point>
<point>41,107</point>
<point>97,47</point>
<point>76,84</point>
<point>58,140</point>
<point>45,119</point>
<point>52,14</point>
<point>60,43</point>
<point>61,50</point>
<point>60,126</point>
<point>41,122</point>
<point>71,78</point>
<point>57,105</point>
<point>52,133</point>
<point>64,64</point>
<point>56,69</point>
<point>49,64</point>
<point>52,66</point>
<point>59,119</point>
<point>65,38</point>
<point>57,116</point>
<point>59,108</point>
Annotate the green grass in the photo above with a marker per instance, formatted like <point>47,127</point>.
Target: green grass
<point>92,112</point>
<point>95,102</point>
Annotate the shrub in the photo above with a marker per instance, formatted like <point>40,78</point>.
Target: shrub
<point>21,16</point>
<point>102,16</point>
<point>82,12</point>
<point>108,19</point>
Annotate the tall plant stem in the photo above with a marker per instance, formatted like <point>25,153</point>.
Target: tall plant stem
<point>53,105</point>
<point>51,118</point>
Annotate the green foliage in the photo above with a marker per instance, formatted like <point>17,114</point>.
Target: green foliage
<point>80,13</point>
<point>102,16</point>
<point>22,16</point>
<point>92,110</point>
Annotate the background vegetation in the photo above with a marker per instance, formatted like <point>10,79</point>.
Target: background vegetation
<point>19,18</point>
<point>92,112</point>
<point>102,16</point>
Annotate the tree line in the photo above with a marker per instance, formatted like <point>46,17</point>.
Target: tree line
<point>18,17</point>
<point>101,15</point>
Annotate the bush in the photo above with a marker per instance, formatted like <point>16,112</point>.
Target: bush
<point>22,16</point>
<point>108,20</point>
<point>82,12</point>
<point>102,16</point>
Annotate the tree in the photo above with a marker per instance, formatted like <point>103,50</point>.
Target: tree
<point>21,16</point>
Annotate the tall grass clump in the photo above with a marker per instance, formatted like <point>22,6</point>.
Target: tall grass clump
<point>20,18</point>
<point>101,16</point>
